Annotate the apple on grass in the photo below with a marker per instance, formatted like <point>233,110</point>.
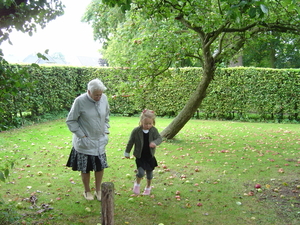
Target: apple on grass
<point>259,190</point>
<point>20,205</point>
<point>257,186</point>
<point>40,173</point>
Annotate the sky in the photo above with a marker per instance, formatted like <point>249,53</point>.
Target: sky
<point>66,34</point>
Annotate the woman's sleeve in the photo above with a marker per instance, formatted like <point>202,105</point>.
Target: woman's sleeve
<point>72,120</point>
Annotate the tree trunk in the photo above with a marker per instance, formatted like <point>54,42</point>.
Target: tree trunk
<point>194,101</point>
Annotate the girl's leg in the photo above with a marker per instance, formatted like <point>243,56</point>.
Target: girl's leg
<point>139,176</point>
<point>138,180</point>
<point>149,179</point>
<point>148,183</point>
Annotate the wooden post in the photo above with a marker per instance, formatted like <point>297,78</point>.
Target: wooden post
<point>107,203</point>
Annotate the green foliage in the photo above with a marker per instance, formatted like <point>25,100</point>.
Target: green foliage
<point>158,34</point>
<point>106,17</point>
<point>180,29</point>
<point>6,166</point>
<point>15,86</point>
<point>269,93</point>
<point>233,94</point>
<point>273,51</point>
<point>8,213</point>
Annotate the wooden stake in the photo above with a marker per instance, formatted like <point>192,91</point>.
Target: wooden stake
<point>107,203</point>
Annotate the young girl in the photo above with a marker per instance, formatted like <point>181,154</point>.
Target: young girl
<point>145,138</point>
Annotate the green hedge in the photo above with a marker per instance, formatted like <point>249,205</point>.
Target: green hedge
<point>234,93</point>
<point>270,93</point>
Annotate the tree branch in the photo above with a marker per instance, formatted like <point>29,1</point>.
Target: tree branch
<point>231,51</point>
<point>220,46</point>
<point>243,29</point>
<point>188,25</point>
<point>266,27</point>
<point>213,35</point>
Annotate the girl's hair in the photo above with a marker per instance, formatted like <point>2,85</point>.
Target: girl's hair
<point>147,114</point>
<point>96,85</point>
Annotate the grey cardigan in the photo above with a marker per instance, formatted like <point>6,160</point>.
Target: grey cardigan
<point>88,120</point>
<point>137,139</point>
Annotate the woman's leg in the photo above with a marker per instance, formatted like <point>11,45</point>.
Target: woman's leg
<point>98,179</point>
<point>86,181</point>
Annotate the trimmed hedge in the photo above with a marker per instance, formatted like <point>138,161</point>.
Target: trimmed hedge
<point>233,94</point>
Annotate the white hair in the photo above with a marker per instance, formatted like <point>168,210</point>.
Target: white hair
<point>96,85</point>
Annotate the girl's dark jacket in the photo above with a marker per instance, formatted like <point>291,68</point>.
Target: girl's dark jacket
<point>137,139</point>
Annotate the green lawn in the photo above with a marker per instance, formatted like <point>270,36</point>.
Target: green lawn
<point>206,175</point>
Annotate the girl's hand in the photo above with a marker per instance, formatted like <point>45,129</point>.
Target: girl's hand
<point>152,145</point>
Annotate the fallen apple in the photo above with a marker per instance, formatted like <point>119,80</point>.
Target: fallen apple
<point>129,176</point>
<point>257,186</point>
<point>20,205</point>
<point>251,193</point>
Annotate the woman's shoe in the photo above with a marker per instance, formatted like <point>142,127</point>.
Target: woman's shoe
<point>88,195</point>
<point>98,195</point>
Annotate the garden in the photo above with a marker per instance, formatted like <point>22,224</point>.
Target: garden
<point>212,172</point>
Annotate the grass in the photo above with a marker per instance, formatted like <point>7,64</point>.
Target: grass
<point>206,175</point>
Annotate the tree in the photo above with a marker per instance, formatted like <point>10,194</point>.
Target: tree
<point>156,34</point>
<point>25,15</point>
<point>274,51</point>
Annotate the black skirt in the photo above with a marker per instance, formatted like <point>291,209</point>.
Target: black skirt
<point>86,163</point>
<point>146,163</point>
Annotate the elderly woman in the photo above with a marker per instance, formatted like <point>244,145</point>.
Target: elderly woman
<point>88,120</point>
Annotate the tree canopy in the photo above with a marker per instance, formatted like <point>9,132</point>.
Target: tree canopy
<point>154,35</point>
<point>26,15</point>
<point>274,51</point>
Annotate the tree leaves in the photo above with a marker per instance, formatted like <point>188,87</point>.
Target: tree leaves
<point>24,15</point>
